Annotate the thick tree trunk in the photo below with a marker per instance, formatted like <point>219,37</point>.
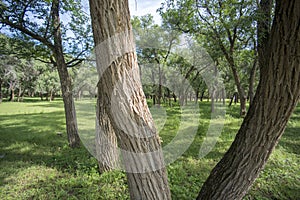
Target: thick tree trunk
<point>65,79</point>
<point>106,140</point>
<point>277,95</point>
<point>263,30</point>
<point>124,101</point>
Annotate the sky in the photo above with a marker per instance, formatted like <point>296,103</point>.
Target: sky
<point>143,7</point>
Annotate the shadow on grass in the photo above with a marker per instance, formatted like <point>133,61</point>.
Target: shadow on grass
<point>33,139</point>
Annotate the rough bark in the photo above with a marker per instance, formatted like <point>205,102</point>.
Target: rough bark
<point>277,95</point>
<point>123,100</point>
<point>263,29</point>
<point>106,140</point>
<point>65,79</point>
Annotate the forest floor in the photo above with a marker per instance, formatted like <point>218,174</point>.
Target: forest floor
<point>36,162</point>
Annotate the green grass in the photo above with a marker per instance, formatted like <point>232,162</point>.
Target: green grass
<point>38,164</point>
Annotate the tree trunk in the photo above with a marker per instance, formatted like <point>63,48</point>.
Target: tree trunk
<point>19,94</point>
<point>124,101</point>
<point>240,90</point>
<point>159,95</point>
<point>223,96</point>
<point>12,95</point>
<point>196,95</point>
<point>202,95</point>
<point>277,95</point>
<point>263,30</point>
<point>1,97</point>
<point>213,93</point>
<point>174,97</point>
<point>252,81</point>
<point>106,140</point>
<point>65,79</point>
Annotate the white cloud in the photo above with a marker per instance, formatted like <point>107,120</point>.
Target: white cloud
<point>143,7</point>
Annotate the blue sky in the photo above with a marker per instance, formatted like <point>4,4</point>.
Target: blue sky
<point>143,7</point>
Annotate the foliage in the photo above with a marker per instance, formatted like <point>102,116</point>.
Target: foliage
<point>29,23</point>
<point>226,29</point>
<point>85,80</point>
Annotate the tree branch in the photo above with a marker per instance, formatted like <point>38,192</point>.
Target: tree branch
<point>27,32</point>
<point>77,62</point>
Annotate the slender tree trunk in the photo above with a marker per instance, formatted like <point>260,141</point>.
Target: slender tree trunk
<point>159,85</point>
<point>202,95</point>
<point>213,93</point>
<point>19,94</point>
<point>196,95</point>
<point>223,96</point>
<point>240,90</point>
<point>252,81</point>
<point>1,97</point>
<point>277,96</point>
<point>51,95</point>
<point>174,96</point>
<point>12,95</point>
<point>124,101</point>
<point>65,79</point>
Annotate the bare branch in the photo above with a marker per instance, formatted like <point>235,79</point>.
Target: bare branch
<point>77,62</point>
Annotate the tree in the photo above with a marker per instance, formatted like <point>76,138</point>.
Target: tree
<point>121,101</point>
<point>39,23</point>
<point>154,44</point>
<point>227,27</point>
<point>276,97</point>
<point>48,82</point>
<point>8,75</point>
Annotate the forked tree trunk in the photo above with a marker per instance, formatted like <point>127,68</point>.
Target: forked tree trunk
<point>65,79</point>
<point>276,97</point>
<point>121,96</point>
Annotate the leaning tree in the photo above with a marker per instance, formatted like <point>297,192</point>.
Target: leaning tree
<point>277,96</point>
<point>122,108</point>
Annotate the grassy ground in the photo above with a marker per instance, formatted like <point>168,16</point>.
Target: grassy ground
<point>36,162</point>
